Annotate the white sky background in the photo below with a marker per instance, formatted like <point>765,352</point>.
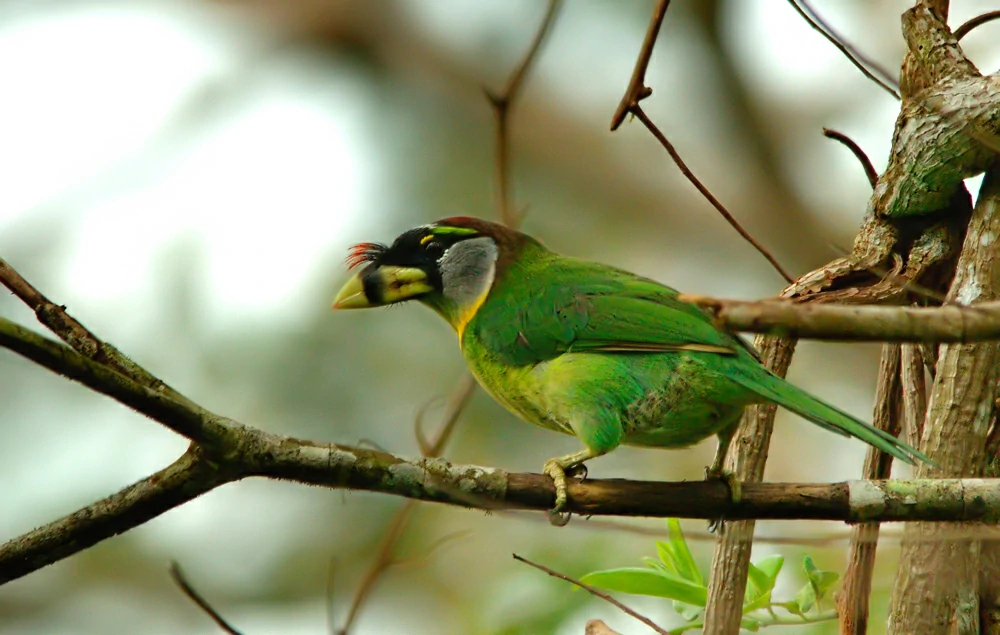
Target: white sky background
<point>277,185</point>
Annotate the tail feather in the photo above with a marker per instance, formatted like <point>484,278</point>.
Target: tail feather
<point>777,390</point>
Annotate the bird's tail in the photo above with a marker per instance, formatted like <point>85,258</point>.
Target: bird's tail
<point>775,389</point>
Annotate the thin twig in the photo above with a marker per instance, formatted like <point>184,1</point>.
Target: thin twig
<point>384,560</point>
<point>979,20</point>
<point>591,590</point>
<point>385,557</point>
<point>860,61</point>
<point>640,114</point>
<point>181,580</point>
<point>637,89</point>
<point>853,597</point>
<point>866,163</point>
<point>501,107</point>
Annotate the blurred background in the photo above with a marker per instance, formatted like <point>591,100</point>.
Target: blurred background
<point>186,177</point>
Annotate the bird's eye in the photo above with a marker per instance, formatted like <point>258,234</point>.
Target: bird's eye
<point>434,249</point>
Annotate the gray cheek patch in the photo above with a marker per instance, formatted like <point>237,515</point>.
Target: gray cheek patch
<point>467,269</point>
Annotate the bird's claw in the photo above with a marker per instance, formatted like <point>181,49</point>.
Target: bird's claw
<point>557,515</point>
<point>735,486</point>
<point>731,480</point>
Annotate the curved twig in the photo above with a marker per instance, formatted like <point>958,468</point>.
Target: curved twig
<point>972,23</point>
<point>181,580</point>
<point>640,114</point>
<point>860,61</point>
<point>859,154</point>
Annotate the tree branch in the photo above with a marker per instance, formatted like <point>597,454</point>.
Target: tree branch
<point>854,594</point>
<point>188,420</point>
<point>951,323</point>
<point>185,479</point>
<point>69,330</point>
<point>246,451</point>
<point>637,89</point>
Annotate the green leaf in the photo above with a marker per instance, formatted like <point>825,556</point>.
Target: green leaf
<point>655,564</point>
<point>750,624</point>
<point>771,567</point>
<point>687,611</point>
<point>667,561</point>
<point>820,580</point>
<point>648,582</point>
<point>687,568</point>
<point>805,599</point>
<point>809,566</point>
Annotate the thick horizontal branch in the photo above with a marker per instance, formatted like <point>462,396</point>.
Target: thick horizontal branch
<point>489,488</point>
<point>237,451</point>
<point>950,323</point>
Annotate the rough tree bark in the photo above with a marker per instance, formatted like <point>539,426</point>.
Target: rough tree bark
<point>937,587</point>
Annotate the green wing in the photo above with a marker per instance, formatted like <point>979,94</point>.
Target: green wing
<point>601,309</point>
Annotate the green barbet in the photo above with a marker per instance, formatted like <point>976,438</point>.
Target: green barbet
<point>584,348</point>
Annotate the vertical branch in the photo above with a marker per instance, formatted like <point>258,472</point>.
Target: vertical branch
<point>852,600</point>
<point>937,584</point>
<point>747,455</point>
<point>914,393</point>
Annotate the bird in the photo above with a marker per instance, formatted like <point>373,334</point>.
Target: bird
<point>584,348</point>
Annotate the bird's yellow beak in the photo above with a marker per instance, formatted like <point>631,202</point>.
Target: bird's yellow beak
<point>352,295</point>
<point>381,286</point>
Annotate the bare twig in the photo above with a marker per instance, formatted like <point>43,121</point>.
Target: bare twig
<point>852,599</point>
<point>860,61</point>
<point>866,163</point>
<point>637,89</point>
<point>641,116</point>
<point>385,557</point>
<point>591,590</point>
<point>501,107</point>
<point>181,580</point>
<point>972,23</point>
<point>383,561</point>
<point>636,92</point>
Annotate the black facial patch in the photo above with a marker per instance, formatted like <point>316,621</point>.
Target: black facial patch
<point>419,248</point>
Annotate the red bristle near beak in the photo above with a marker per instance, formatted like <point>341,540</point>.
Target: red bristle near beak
<point>362,253</point>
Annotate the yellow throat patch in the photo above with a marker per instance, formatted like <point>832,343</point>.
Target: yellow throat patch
<point>465,315</point>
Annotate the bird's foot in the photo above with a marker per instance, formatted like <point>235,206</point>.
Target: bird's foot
<point>733,484</point>
<point>731,480</point>
<point>554,470</point>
